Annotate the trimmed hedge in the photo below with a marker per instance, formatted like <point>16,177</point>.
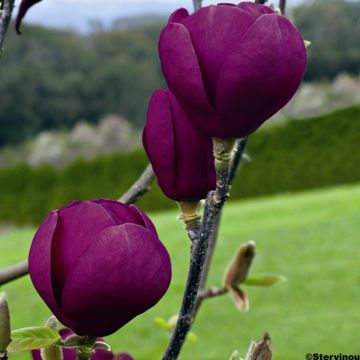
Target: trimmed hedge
<point>294,156</point>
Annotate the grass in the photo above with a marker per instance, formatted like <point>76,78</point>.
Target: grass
<point>312,238</point>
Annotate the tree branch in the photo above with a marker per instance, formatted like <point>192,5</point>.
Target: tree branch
<point>200,246</point>
<point>5,16</point>
<point>13,272</point>
<point>140,187</point>
<point>197,4</point>
<point>282,6</point>
<point>239,153</point>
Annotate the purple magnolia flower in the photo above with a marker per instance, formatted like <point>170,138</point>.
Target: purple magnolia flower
<point>24,7</point>
<point>231,66</point>
<point>180,155</point>
<point>70,353</point>
<point>98,264</point>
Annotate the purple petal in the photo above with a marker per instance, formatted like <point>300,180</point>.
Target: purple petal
<point>24,7</point>
<point>181,67</point>
<point>178,16</point>
<point>255,9</point>
<point>123,356</point>
<point>120,213</point>
<point>188,156</point>
<point>124,272</point>
<point>146,222</point>
<point>261,76</point>
<point>214,32</point>
<point>162,156</point>
<point>194,160</point>
<point>40,263</point>
<point>77,226</point>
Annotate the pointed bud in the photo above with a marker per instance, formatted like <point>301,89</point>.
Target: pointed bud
<point>307,43</point>
<point>5,329</point>
<point>239,267</point>
<point>260,350</point>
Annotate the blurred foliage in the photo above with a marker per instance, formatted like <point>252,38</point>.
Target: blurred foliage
<point>333,27</point>
<point>52,79</point>
<point>296,155</point>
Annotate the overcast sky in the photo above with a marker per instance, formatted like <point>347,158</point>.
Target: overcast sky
<point>78,13</point>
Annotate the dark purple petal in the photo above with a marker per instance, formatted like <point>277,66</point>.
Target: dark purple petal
<point>145,220</point>
<point>123,356</point>
<point>194,159</point>
<point>124,272</point>
<point>77,226</point>
<point>178,16</point>
<point>255,9</point>
<point>181,67</point>
<point>180,155</point>
<point>160,149</point>
<point>215,30</point>
<point>120,213</point>
<point>40,262</point>
<point>261,76</point>
<point>24,7</point>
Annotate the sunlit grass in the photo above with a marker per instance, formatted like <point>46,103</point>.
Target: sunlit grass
<point>311,238</point>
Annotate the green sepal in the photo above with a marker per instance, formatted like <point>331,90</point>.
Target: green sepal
<point>264,279</point>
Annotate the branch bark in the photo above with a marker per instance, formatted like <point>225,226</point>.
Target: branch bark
<point>282,6</point>
<point>200,247</point>
<point>5,17</point>
<point>13,272</point>
<point>140,187</point>
<point>239,152</point>
<point>197,4</point>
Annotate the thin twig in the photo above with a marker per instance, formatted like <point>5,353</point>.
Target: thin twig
<point>13,272</point>
<point>197,4</point>
<point>140,187</point>
<point>260,1</point>
<point>282,6</point>
<point>5,16</point>
<point>211,292</point>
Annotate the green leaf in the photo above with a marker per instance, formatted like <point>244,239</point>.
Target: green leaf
<point>162,323</point>
<point>30,338</point>
<point>264,279</point>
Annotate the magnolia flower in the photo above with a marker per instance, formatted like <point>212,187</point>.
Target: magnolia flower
<point>231,66</point>
<point>181,156</point>
<point>98,264</point>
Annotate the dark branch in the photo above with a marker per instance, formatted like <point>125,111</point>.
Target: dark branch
<point>282,6</point>
<point>239,153</point>
<point>260,1</point>
<point>13,272</point>
<point>5,16</point>
<point>211,292</point>
<point>197,4</point>
<point>200,245</point>
<point>140,187</point>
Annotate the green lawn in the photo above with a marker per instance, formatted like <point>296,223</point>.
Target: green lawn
<point>311,238</point>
